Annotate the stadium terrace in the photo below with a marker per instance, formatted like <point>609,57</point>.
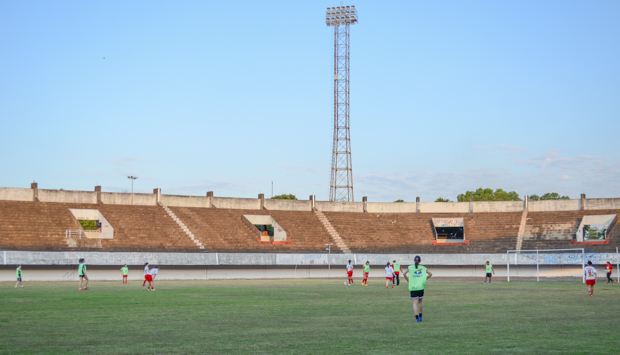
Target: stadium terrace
<point>209,237</point>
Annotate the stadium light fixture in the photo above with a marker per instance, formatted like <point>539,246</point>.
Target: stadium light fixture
<point>132,179</point>
<point>341,15</point>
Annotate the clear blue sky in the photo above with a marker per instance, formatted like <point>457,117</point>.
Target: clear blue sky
<point>229,96</point>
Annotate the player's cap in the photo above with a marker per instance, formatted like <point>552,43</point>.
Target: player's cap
<point>417,258</point>
<point>589,262</point>
<point>394,261</point>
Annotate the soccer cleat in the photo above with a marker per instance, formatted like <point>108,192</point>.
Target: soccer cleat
<point>80,290</point>
<point>85,288</point>
<point>418,320</point>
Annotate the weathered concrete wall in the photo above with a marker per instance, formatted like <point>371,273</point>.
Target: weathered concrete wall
<point>112,198</point>
<point>444,207</point>
<point>236,203</point>
<point>602,204</point>
<point>186,201</point>
<point>554,205</point>
<point>391,207</point>
<point>288,205</point>
<point>497,206</point>
<point>67,196</point>
<point>327,206</point>
<point>10,257</point>
<point>16,194</point>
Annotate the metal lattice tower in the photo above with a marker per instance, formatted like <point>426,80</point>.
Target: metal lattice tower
<point>341,183</point>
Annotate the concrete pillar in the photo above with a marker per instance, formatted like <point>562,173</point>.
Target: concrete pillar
<point>98,191</point>
<point>313,202</point>
<point>471,204</point>
<point>157,193</point>
<point>261,199</point>
<point>526,201</point>
<point>365,200</point>
<point>583,202</point>
<point>35,191</point>
<point>417,204</point>
<point>210,198</point>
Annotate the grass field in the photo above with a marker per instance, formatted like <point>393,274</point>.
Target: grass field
<point>308,316</point>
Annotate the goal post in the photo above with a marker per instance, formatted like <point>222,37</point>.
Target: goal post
<point>573,256</point>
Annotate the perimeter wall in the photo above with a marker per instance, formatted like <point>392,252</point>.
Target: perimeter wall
<point>210,201</point>
<point>61,266</point>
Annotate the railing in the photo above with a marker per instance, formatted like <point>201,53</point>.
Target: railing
<point>80,233</point>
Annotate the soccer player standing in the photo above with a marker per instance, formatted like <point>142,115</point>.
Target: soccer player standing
<point>417,282</point>
<point>146,272</point>
<point>490,272</point>
<point>350,272</point>
<point>153,272</point>
<point>82,274</point>
<point>608,269</point>
<point>366,271</point>
<point>590,273</point>
<point>125,271</point>
<point>389,275</point>
<point>396,267</point>
<point>18,273</point>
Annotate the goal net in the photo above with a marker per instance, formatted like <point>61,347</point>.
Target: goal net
<point>546,263</point>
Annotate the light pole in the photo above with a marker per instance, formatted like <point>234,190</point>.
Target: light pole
<point>132,179</point>
<point>329,253</point>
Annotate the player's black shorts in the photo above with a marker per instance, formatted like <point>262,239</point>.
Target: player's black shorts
<point>489,274</point>
<point>19,279</point>
<point>416,294</point>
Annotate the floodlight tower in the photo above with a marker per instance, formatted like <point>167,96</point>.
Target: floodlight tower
<point>341,183</point>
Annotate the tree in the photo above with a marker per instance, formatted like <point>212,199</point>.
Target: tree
<point>549,196</point>
<point>488,195</point>
<point>284,197</point>
<point>399,201</point>
<point>441,199</point>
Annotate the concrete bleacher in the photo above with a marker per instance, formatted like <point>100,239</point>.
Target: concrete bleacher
<point>31,219</point>
<point>42,226</point>
<point>222,230</point>
<point>557,229</point>
<point>413,232</point>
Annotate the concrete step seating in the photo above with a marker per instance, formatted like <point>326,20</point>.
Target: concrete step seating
<point>413,232</point>
<point>42,226</point>
<point>222,230</point>
<point>555,230</point>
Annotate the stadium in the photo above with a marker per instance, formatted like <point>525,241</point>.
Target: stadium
<point>209,103</point>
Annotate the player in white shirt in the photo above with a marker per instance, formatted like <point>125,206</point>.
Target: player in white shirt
<point>151,277</point>
<point>350,272</point>
<point>389,275</point>
<point>590,273</point>
<point>146,272</point>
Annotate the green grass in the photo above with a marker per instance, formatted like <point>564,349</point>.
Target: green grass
<point>308,317</point>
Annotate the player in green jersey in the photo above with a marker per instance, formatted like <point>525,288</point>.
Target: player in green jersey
<point>82,274</point>
<point>18,273</point>
<point>366,271</point>
<point>490,272</point>
<point>417,282</point>
<point>396,267</point>
<point>125,271</point>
